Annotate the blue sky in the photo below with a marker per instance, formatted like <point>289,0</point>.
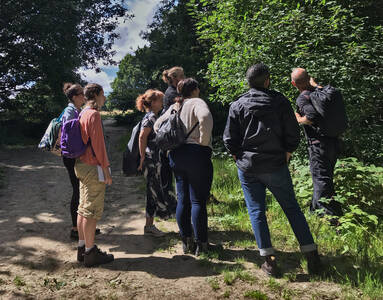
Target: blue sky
<point>129,41</point>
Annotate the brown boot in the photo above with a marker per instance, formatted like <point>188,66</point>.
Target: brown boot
<point>314,265</point>
<point>270,266</point>
<point>96,257</point>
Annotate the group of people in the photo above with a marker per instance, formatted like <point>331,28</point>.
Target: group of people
<point>261,134</point>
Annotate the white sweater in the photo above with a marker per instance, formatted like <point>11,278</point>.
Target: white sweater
<point>193,110</point>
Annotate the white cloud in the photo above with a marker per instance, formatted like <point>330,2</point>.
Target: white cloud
<point>129,31</point>
<point>101,78</point>
<point>129,41</point>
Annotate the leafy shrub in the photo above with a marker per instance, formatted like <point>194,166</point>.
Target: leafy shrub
<point>359,184</point>
<point>339,42</point>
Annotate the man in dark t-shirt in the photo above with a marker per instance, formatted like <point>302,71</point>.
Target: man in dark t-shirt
<point>323,150</point>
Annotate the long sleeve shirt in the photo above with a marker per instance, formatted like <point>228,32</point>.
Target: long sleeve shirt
<point>193,110</point>
<point>306,108</point>
<point>91,129</point>
<point>260,129</point>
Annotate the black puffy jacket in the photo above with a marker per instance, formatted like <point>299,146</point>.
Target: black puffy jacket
<point>260,129</point>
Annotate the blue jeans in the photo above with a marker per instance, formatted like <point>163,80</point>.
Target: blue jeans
<point>280,184</point>
<point>193,171</point>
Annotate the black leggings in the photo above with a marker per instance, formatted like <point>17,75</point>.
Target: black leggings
<point>69,165</point>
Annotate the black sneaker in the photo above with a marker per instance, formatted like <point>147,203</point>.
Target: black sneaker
<point>80,253</point>
<point>270,266</point>
<point>206,247</point>
<point>314,265</point>
<point>188,245</point>
<point>95,257</point>
<point>74,233</point>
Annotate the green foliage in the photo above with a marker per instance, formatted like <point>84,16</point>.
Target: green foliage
<point>356,223</point>
<point>214,284</point>
<point>360,184</point>
<point>44,42</point>
<point>53,284</point>
<point>129,83</point>
<point>172,42</point>
<point>18,281</point>
<point>358,238</point>
<point>339,42</point>
<point>255,294</point>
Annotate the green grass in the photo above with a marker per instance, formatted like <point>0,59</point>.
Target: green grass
<point>214,284</point>
<point>230,275</point>
<point>18,281</point>
<point>226,294</point>
<point>255,294</point>
<point>353,254</point>
<point>273,285</point>
<point>54,284</point>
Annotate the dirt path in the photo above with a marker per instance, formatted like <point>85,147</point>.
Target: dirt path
<point>37,257</point>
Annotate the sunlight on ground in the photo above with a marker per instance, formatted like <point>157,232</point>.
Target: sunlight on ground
<point>48,218</point>
<point>115,112</point>
<point>25,220</point>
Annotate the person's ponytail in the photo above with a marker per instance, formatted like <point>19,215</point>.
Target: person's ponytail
<point>186,87</point>
<point>165,77</point>
<point>70,90</point>
<point>144,101</point>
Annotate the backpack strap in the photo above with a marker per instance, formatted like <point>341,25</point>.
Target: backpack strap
<point>191,130</point>
<point>61,115</point>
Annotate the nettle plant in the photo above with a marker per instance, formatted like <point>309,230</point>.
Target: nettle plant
<point>361,185</point>
<point>360,189</point>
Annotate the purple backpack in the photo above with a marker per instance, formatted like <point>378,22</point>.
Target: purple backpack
<point>72,145</point>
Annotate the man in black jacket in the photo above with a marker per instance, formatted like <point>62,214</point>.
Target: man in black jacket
<point>261,133</point>
<point>323,150</point>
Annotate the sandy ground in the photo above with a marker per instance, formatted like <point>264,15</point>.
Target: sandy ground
<point>38,259</point>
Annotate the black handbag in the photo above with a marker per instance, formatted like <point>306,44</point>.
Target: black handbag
<point>131,155</point>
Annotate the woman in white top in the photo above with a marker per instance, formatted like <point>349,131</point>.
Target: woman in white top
<point>192,166</point>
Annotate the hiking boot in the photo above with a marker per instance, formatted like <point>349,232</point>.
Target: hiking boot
<point>153,230</point>
<point>270,266</point>
<point>74,233</point>
<point>80,253</point>
<point>206,247</point>
<point>188,245</point>
<point>95,257</point>
<point>314,265</point>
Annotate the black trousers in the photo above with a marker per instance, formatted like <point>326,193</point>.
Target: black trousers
<point>323,154</point>
<point>69,165</point>
<point>167,179</point>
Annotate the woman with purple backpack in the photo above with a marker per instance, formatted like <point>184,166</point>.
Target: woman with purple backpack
<point>92,170</point>
<point>75,95</point>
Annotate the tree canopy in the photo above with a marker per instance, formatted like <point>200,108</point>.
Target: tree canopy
<point>44,42</point>
<point>339,42</point>
<point>172,41</point>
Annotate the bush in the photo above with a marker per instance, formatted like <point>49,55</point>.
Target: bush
<point>339,42</point>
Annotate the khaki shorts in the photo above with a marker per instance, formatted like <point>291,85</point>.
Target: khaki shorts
<point>92,191</point>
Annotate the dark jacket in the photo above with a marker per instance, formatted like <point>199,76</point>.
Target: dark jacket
<point>170,95</point>
<point>305,108</point>
<point>260,129</point>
